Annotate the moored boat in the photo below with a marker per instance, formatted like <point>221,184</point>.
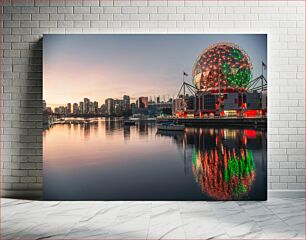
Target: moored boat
<point>170,126</point>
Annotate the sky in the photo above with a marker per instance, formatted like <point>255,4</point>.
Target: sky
<point>100,66</point>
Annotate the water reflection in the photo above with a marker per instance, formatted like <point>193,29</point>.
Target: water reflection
<point>198,164</point>
<point>222,161</point>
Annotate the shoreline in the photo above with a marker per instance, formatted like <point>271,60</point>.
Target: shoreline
<point>218,122</point>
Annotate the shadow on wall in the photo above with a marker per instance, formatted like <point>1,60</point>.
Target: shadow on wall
<point>26,152</point>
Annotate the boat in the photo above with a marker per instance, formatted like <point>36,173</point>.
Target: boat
<point>170,126</point>
<point>151,119</point>
<point>129,122</point>
<point>134,119</point>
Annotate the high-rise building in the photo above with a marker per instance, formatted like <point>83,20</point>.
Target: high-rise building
<point>126,102</point>
<point>109,105</point>
<point>81,107</point>
<point>96,107</point>
<point>134,108</point>
<point>91,108</point>
<point>86,105</point>
<point>68,108</point>
<point>103,109</point>
<point>118,110</point>
<point>62,110</point>
<point>143,102</point>
<point>75,108</point>
<point>44,105</point>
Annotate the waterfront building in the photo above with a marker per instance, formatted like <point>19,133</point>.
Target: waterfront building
<point>178,105</point>
<point>156,109</point>
<point>109,106</point>
<point>96,107</point>
<point>91,108</point>
<point>86,105</point>
<point>253,100</point>
<point>221,76</point>
<point>118,110</point>
<point>103,109</point>
<point>75,108</point>
<point>61,110</point>
<point>81,107</point>
<point>118,107</point>
<point>126,102</point>
<point>68,108</point>
<point>134,108</point>
<point>190,102</point>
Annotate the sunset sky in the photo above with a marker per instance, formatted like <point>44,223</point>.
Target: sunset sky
<point>112,65</point>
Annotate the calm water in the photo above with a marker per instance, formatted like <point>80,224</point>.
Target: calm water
<point>105,160</point>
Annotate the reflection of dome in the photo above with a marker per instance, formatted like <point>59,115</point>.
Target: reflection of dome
<point>226,63</point>
<point>227,178</point>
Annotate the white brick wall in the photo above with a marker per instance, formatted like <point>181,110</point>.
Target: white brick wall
<point>24,22</point>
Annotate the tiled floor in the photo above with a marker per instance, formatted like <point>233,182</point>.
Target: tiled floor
<point>274,219</point>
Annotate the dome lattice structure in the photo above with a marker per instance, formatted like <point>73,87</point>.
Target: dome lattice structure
<point>225,64</point>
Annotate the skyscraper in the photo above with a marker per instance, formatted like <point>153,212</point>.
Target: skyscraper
<point>91,108</point>
<point>75,108</point>
<point>81,107</point>
<point>109,104</point>
<point>103,109</point>
<point>126,102</point>
<point>68,108</point>
<point>86,105</point>
<point>96,107</point>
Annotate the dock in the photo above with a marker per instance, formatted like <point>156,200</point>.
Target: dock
<point>258,122</point>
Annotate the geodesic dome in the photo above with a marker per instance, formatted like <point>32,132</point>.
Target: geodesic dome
<point>224,64</point>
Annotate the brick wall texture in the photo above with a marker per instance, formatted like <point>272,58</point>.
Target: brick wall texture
<point>25,22</point>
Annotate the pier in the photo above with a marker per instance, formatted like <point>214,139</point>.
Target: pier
<point>260,122</point>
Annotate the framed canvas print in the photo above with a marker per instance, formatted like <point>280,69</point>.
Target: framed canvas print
<point>155,117</point>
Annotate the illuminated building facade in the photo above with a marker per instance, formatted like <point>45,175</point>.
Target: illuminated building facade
<point>221,75</point>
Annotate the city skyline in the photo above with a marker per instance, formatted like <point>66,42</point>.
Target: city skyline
<point>99,66</point>
<point>155,99</point>
<point>110,107</point>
